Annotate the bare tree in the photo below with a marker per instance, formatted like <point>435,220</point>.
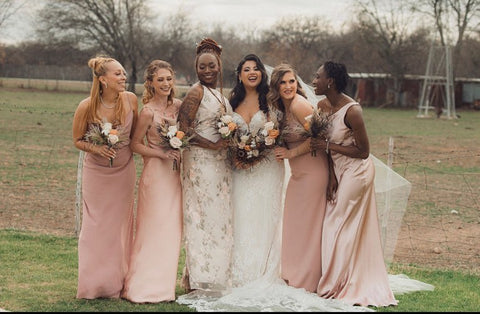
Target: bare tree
<point>386,27</point>
<point>8,8</point>
<point>301,41</point>
<point>118,28</point>
<point>453,19</point>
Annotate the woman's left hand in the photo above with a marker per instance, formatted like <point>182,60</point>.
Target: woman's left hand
<point>282,153</point>
<point>318,143</point>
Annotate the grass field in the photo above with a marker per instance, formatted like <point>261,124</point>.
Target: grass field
<point>441,158</point>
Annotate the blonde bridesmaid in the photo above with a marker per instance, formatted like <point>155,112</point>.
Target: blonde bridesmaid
<point>108,182</point>
<point>153,264</point>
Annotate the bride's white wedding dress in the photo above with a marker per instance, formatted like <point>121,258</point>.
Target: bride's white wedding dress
<point>257,198</point>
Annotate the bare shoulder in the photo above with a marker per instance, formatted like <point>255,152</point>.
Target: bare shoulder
<point>300,104</point>
<point>132,99</point>
<point>324,104</point>
<point>177,102</point>
<point>196,91</point>
<point>83,105</point>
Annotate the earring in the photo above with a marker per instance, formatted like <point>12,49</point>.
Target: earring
<point>240,82</point>
<point>328,86</point>
<point>106,85</point>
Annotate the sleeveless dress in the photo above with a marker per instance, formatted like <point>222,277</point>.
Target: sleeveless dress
<point>207,204</point>
<point>305,202</point>
<point>257,202</point>
<point>107,222</point>
<point>352,258</point>
<point>152,273</point>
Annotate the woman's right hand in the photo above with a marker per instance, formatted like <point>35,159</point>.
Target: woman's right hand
<point>172,154</point>
<point>105,151</point>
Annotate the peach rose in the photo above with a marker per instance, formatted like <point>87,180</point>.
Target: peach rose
<point>306,126</point>
<point>113,132</point>
<point>273,133</point>
<point>180,134</point>
<point>232,126</point>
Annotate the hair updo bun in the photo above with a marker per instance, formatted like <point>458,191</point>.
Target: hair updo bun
<point>209,45</point>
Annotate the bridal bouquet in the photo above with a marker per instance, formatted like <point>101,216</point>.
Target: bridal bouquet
<point>172,137</point>
<point>225,126</point>
<point>249,149</point>
<point>316,126</point>
<point>104,134</point>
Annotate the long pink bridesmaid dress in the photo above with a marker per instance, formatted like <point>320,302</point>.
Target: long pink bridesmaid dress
<point>305,202</point>
<point>352,261</point>
<point>153,266</point>
<point>107,223</point>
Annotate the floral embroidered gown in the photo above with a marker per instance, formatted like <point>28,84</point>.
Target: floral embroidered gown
<point>152,273</point>
<point>207,204</point>
<point>107,222</point>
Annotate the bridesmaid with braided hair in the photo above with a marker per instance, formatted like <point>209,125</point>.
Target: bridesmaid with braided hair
<point>206,178</point>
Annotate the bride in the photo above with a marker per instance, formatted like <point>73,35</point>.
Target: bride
<point>258,193</point>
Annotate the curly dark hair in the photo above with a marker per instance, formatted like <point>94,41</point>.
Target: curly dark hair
<point>338,72</point>
<point>237,94</point>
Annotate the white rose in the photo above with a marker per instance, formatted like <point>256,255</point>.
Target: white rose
<point>255,153</point>
<point>264,132</point>
<point>226,119</point>
<point>269,141</point>
<point>172,130</point>
<point>219,124</point>
<point>269,125</point>
<point>244,138</point>
<point>225,131</point>
<point>112,139</point>
<point>175,142</point>
<point>241,145</point>
<point>106,128</point>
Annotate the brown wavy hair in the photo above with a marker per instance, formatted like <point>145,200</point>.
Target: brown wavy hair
<point>150,71</point>
<point>273,95</point>
<point>99,66</point>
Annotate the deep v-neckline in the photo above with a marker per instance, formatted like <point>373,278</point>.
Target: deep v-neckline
<point>251,119</point>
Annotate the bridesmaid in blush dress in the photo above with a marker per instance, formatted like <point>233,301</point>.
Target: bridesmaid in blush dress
<point>107,188</point>
<point>352,258</point>
<point>153,264</point>
<point>305,198</point>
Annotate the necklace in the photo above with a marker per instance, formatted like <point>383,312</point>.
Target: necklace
<point>220,101</point>
<point>103,104</point>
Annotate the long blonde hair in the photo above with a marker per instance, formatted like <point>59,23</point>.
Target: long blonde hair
<point>273,95</point>
<point>150,71</point>
<point>99,67</point>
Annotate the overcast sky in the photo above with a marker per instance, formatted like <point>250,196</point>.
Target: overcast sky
<point>241,14</point>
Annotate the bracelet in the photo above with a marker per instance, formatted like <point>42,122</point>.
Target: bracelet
<point>326,149</point>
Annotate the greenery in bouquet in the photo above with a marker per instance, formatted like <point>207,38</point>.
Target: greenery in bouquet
<point>171,137</point>
<point>248,149</point>
<point>105,134</point>
<point>316,126</point>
